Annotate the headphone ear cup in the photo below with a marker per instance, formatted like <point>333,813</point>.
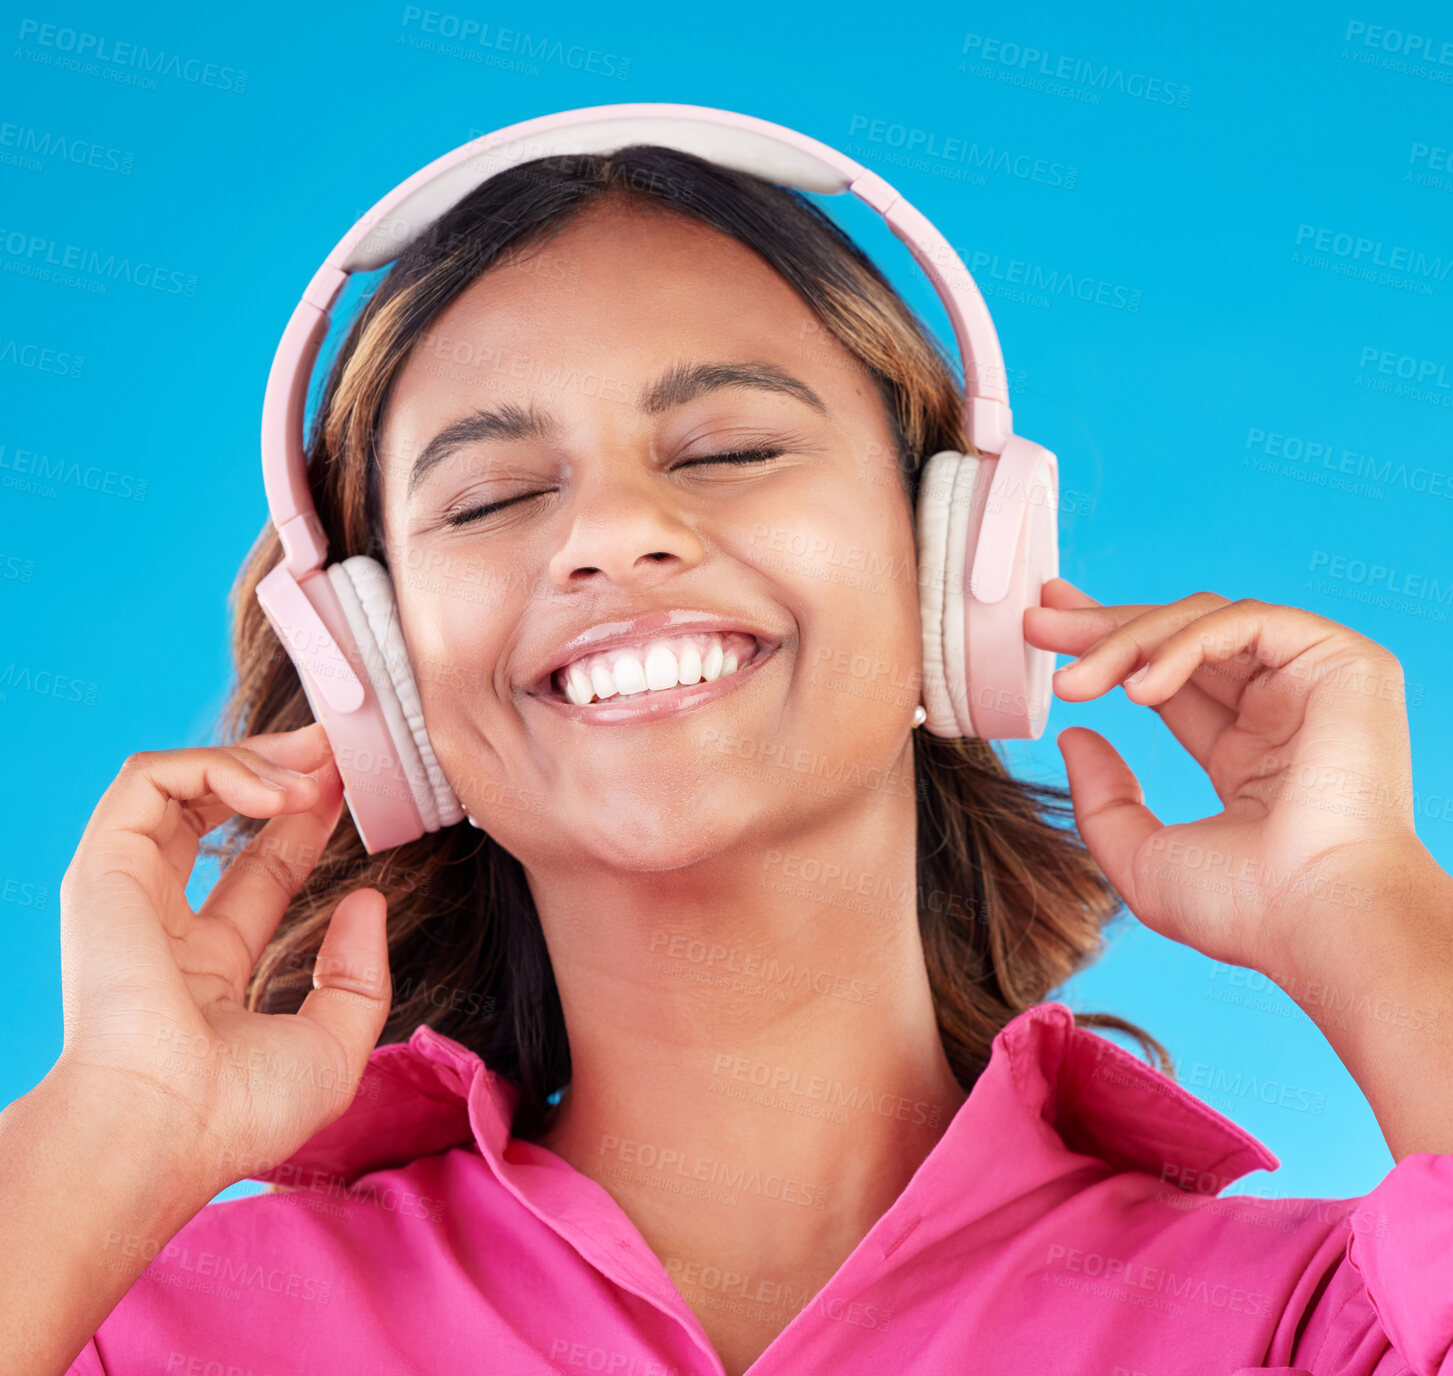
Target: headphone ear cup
<point>365,592</point>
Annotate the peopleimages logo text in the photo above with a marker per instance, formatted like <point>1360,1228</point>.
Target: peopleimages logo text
<point>19,248</point>
<point>1373,252</point>
<point>473,34</point>
<point>82,152</point>
<point>81,44</point>
<point>1077,71</point>
<point>954,149</point>
<point>1411,45</point>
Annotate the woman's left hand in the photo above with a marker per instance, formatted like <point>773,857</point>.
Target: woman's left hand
<point>1300,724</point>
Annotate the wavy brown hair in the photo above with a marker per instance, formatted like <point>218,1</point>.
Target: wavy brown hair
<point>1010,902</point>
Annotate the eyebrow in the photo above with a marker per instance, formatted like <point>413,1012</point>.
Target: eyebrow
<point>679,384</point>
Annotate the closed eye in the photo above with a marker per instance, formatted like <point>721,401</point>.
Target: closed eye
<point>736,456</point>
<point>475,513</point>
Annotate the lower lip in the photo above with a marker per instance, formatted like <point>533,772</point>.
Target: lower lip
<point>667,702</point>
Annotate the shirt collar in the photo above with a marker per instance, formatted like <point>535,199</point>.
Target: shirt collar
<point>1069,1089</point>
<point>1100,1100</point>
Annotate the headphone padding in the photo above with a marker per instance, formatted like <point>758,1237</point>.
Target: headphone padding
<point>934,493</point>
<point>963,525</point>
<point>366,591</point>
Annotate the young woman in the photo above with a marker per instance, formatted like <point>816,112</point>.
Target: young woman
<point>723,1043</point>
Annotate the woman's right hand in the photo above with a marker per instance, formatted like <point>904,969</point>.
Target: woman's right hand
<point>153,992</point>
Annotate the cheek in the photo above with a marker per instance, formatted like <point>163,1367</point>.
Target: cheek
<point>449,628</point>
<point>841,523</point>
<point>849,574</point>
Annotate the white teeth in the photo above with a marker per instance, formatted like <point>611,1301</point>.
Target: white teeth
<point>689,665</point>
<point>629,676</point>
<point>578,687</point>
<point>711,664</point>
<point>602,682</point>
<point>698,657</point>
<point>660,667</point>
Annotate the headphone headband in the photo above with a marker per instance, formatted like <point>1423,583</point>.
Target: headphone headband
<point>743,142</point>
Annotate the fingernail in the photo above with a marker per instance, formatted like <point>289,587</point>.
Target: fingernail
<point>279,776</point>
<point>1138,674</point>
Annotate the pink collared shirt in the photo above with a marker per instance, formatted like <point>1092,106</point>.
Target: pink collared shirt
<point>1067,1221</point>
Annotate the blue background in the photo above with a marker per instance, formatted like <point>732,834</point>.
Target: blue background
<point>1189,211</point>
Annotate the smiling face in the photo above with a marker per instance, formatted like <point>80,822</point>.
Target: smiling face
<point>548,471</point>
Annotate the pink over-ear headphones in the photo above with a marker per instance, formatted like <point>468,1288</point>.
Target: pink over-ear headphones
<point>987,528</point>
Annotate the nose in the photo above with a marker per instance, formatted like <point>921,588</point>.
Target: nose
<point>626,525</point>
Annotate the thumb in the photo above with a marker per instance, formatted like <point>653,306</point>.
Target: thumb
<point>1109,804</point>
<point>352,989</point>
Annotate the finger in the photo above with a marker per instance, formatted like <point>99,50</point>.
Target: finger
<point>188,821</point>
<point>120,866</point>
<point>1057,594</point>
<point>1225,648</point>
<point>1076,630</point>
<point>1112,657</point>
<point>122,904</point>
<point>1060,592</point>
<point>137,798</point>
<point>289,747</point>
<point>303,750</point>
<point>1192,715</point>
<point>242,912</point>
<point>277,755</point>
<point>1109,804</point>
<point>352,990</point>
<point>125,889</point>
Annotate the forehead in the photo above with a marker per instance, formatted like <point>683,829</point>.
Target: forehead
<point>609,296</point>
<point>627,267</point>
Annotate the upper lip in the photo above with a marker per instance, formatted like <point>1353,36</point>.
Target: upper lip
<point>634,630</point>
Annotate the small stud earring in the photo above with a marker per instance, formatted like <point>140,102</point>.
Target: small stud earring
<point>472,822</point>
<point>920,715</point>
